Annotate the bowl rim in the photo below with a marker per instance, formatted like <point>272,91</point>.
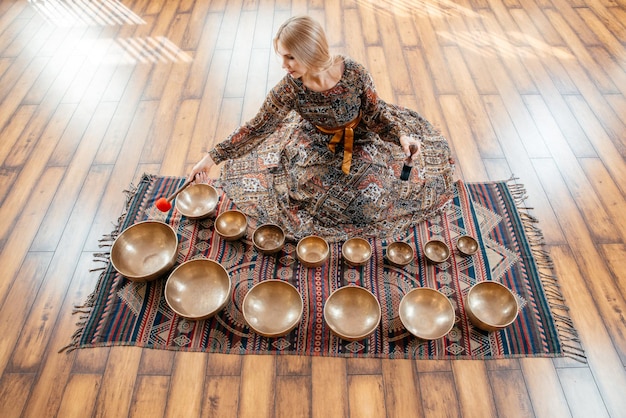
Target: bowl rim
<point>319,262</point>
<point>404,244</point>
<point>270,225</point>
<point>233,236</point>
<point>186,264</point>
<point>283,332</point>
<point>159,272</point>
<point>490,326</point>
<point>404,300</point>
<point>356,239</point>
<point>206,213</point>
<point>466,237</point>
<point>437,241</point>
<point>360,289</point>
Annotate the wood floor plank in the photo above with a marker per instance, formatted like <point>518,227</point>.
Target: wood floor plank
<point>438,395</point>
<point>221,397</point>
<point>544,388</point>
<point>14,390</point>
<point>473,390</point>
<point>329,393</point>
<point>366,396</point>
<point>186,386</point>
<point>25,229</point>
<point>615,256</point>
<point>258,391</point>
<point>150,396</point>
<point>80,395</point>
<point>293,396</point>
<point>401,389</point>
<point>510,393</point>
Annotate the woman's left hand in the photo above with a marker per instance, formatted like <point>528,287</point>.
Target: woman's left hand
<point>406,142</point>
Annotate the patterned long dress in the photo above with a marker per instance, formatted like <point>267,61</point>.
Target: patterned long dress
<point>279,168</point>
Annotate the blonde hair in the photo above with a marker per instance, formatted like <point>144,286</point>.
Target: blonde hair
<point>305,40</point>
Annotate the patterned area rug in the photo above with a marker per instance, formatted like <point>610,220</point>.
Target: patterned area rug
<point>121,312</point>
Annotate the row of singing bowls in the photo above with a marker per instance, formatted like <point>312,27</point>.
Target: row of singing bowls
<point>197,201</point>
<point>438,251</point>
<point>145,251</point>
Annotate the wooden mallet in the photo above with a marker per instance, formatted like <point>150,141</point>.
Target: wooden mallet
<point>164,204</point>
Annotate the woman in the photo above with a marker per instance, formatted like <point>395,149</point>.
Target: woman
<point>324,154</point>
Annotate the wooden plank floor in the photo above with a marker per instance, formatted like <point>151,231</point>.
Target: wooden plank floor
<point>93,93</point>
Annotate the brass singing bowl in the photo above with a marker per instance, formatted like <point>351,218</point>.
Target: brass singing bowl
<point>491,306</point>
<point>400,253</point>
<point>198,289</point>
<point>231,225</point>
<point>467,245</point>
<point>436,251</point>
<point>145,251</point>
<point>268,238</point>
<point>312,251</point>
<point>273,308</point>
<point>352,313</point>
<point>427,313</point>
<point>197,201</point>
<point>356,251</point>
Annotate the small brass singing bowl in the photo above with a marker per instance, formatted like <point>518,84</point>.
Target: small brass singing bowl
<point>356,251</point>
<point>467,245</point>
<point>436,251</point>
<point>491,306</point>
<point>197,201</point>
<point>145,251</point>
<point>268,239</point>
<point>231,225</point>
<point>198,289</point>
<point>273,308</point>
<point>400,253</point>
<point>352,313</point>
<point>427,313</point>
<point>312,251</point>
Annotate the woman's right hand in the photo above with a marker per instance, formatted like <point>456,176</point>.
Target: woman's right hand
<point>202,167</point>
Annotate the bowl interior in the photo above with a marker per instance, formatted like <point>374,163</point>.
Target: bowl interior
<point>356,251</point>
<point>467,245</point>
<point>268,238</point>
<point>400,253</point>
<point>426,313</point>
<point>312,249</point>
<point>492,305</point>
<point>231,224</point>
<point>197,289</point>
<point>436,251</point>
<point>145,250</point>
<point>352,312</point>
<point>197,200</point>
<point>272,308</point>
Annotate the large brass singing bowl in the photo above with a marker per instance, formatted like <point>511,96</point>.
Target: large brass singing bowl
<point>352,313</point>
<point>273,308</point>
<point>436,251</point>
<point>467,245</point>
<point>400,253</point>
<point>312,251</point>
<point>427,313</point>
<point>491,306</point>
<point>268,238</point>
<point>197,201</point>
<point>231,225</point>
<point>198,289</point>
<point>356,251</point>
<point>145,251</point>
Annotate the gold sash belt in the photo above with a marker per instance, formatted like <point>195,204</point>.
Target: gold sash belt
<point>345,133</point>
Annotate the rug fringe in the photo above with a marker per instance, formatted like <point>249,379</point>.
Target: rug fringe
<point>101,257</point>
<point>570,342</point>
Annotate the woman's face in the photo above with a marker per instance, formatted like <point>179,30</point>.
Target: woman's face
<point>293,67</point>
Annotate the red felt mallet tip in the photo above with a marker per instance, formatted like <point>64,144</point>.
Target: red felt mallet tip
<point>165,204</point>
